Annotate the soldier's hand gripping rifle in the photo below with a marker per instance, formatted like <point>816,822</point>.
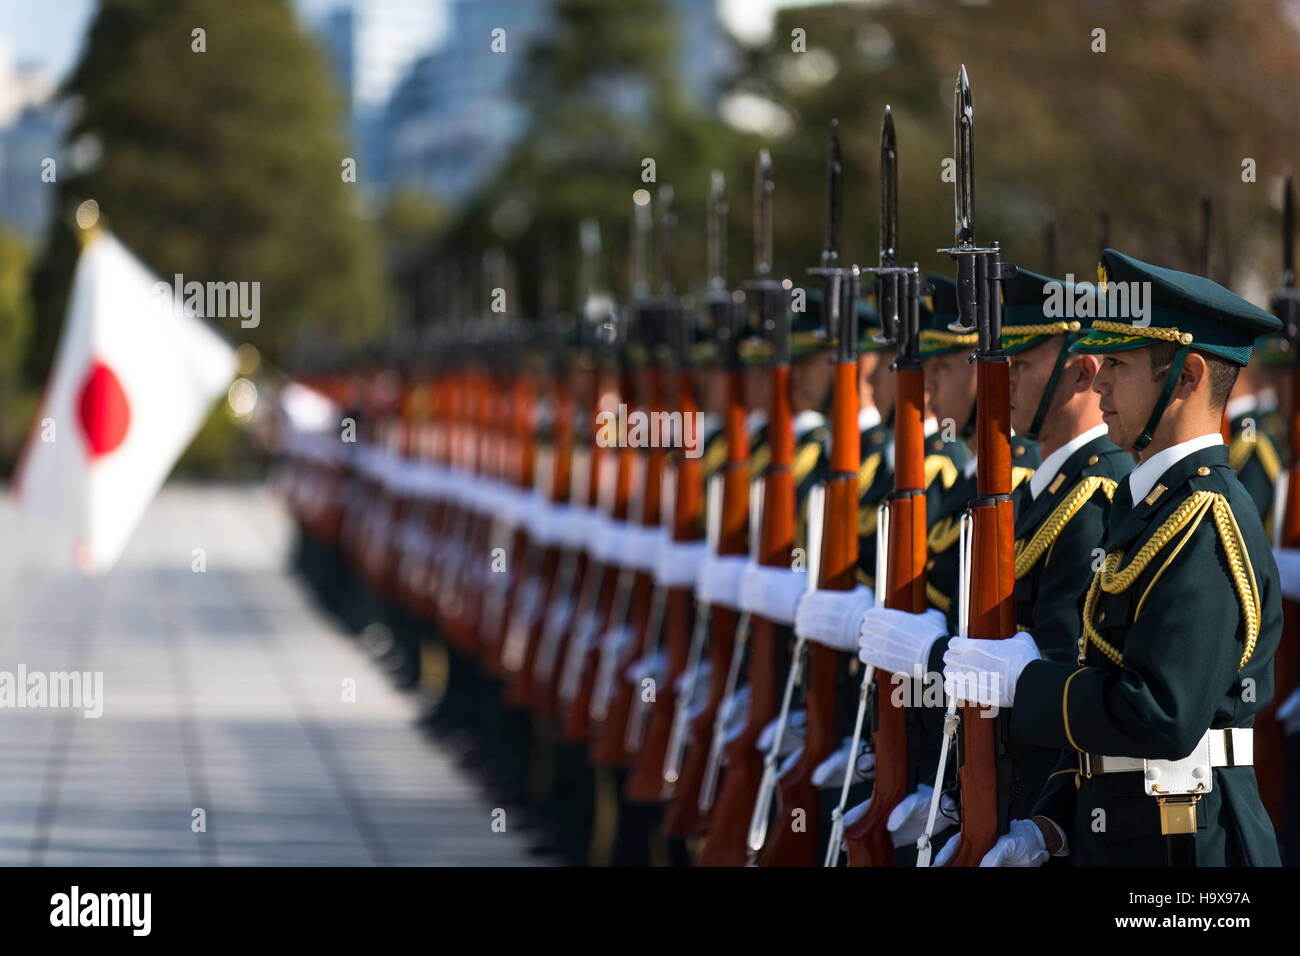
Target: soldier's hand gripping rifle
<point>719,583</point>
<point>837,564</point>
<point>990,603</point>
<point>1270,741</point>
<point>726,843</point>
<point>900,532</point>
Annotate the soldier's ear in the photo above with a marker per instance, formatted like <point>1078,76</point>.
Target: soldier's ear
<point>1085,370</point>
<point>1194,376</point>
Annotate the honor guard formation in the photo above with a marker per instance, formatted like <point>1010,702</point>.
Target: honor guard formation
<point>860,567</point>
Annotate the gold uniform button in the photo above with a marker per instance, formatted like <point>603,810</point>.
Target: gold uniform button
<point>1203,471</point>
<point>1093,460</point>
<point>1020,451</point>
<point>1101,617</point>
<point>877,438</point>
<point>937,444</point>
<point>929,565</point>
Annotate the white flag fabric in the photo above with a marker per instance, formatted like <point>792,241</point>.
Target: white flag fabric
<point>132,382</point>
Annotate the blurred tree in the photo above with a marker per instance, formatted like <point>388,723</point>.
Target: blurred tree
<point>602,91</point>
<point>222,163</point>
<point>1182,94</point>
<point>15,328</point>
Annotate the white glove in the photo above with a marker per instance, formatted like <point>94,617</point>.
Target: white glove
<point>831,618</point>
<point>1022,845</point>
<point>985,672</point>
<point>830,772</point>
<point>1289,713</point>
<point>899,642</point>
<point>1288,571</point>
<point>791,739</point>
<point>906,821</point>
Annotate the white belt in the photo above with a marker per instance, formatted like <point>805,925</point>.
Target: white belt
<point>1229,747</point>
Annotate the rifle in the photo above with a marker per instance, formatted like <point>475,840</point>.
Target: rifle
<point>726,843</point>
<point>650,723</point>
<point>716,626</point>
<point>837,562</point>
<point>585,461</point>
<point>1270,739</point>
<point>983,775</point>
<point>607,587</point>
<point>611,703</point>
<point>554,464</point>
<point>901,534</point>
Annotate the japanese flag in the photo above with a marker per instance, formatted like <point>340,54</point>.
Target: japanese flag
<point>132,382</point>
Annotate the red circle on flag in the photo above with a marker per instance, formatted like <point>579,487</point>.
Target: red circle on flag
<point>103,409</point>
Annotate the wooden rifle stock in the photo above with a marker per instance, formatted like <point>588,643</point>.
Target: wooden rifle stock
<point>726,843</point>
<point>868,839</point>
<point>520,690</point>
<point>683,817</point>
<point>837,571</point>
<point>609,746</point>
<point>646,782</point>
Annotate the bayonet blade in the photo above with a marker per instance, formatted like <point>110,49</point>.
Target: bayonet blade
<point>642,228</point>
<point>888,190</point>
<point>667,229</point>
<point>717,232</point>
<point>963,143</point>
<point>834,178</point>
<point>763,188</point>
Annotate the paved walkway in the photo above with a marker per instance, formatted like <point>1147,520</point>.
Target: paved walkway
<point>222,691</point>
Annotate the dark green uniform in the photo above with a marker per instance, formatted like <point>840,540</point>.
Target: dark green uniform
<point>1168,651</point>
<point>1253,454</point>
<point>1179,627</point>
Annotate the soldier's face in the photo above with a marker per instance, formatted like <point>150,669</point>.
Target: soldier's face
<point>951,383</point>
<point>878,381</point>
<point>1127,392</point>
<point>1030,372</point>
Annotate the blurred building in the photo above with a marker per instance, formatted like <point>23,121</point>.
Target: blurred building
<point>371,45</point>
<point>30,131</point>
<point>451,118</point>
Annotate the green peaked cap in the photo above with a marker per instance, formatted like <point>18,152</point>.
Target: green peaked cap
<point>1174,307</point>
<point>1034,309</point>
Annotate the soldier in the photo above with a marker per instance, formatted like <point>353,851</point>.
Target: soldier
<point>1058,524</point>
<point>1179,626</point>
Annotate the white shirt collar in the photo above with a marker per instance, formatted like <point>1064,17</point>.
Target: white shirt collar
<point>755,420</point>
<point>1045,472</point>
<point>968,469</point>
<point>931,426</point>
<point>868,417</point>
<point>1144,477</point>
<point>807,420</point>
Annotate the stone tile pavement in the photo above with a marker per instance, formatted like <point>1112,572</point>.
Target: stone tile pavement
<point>222,691</point>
